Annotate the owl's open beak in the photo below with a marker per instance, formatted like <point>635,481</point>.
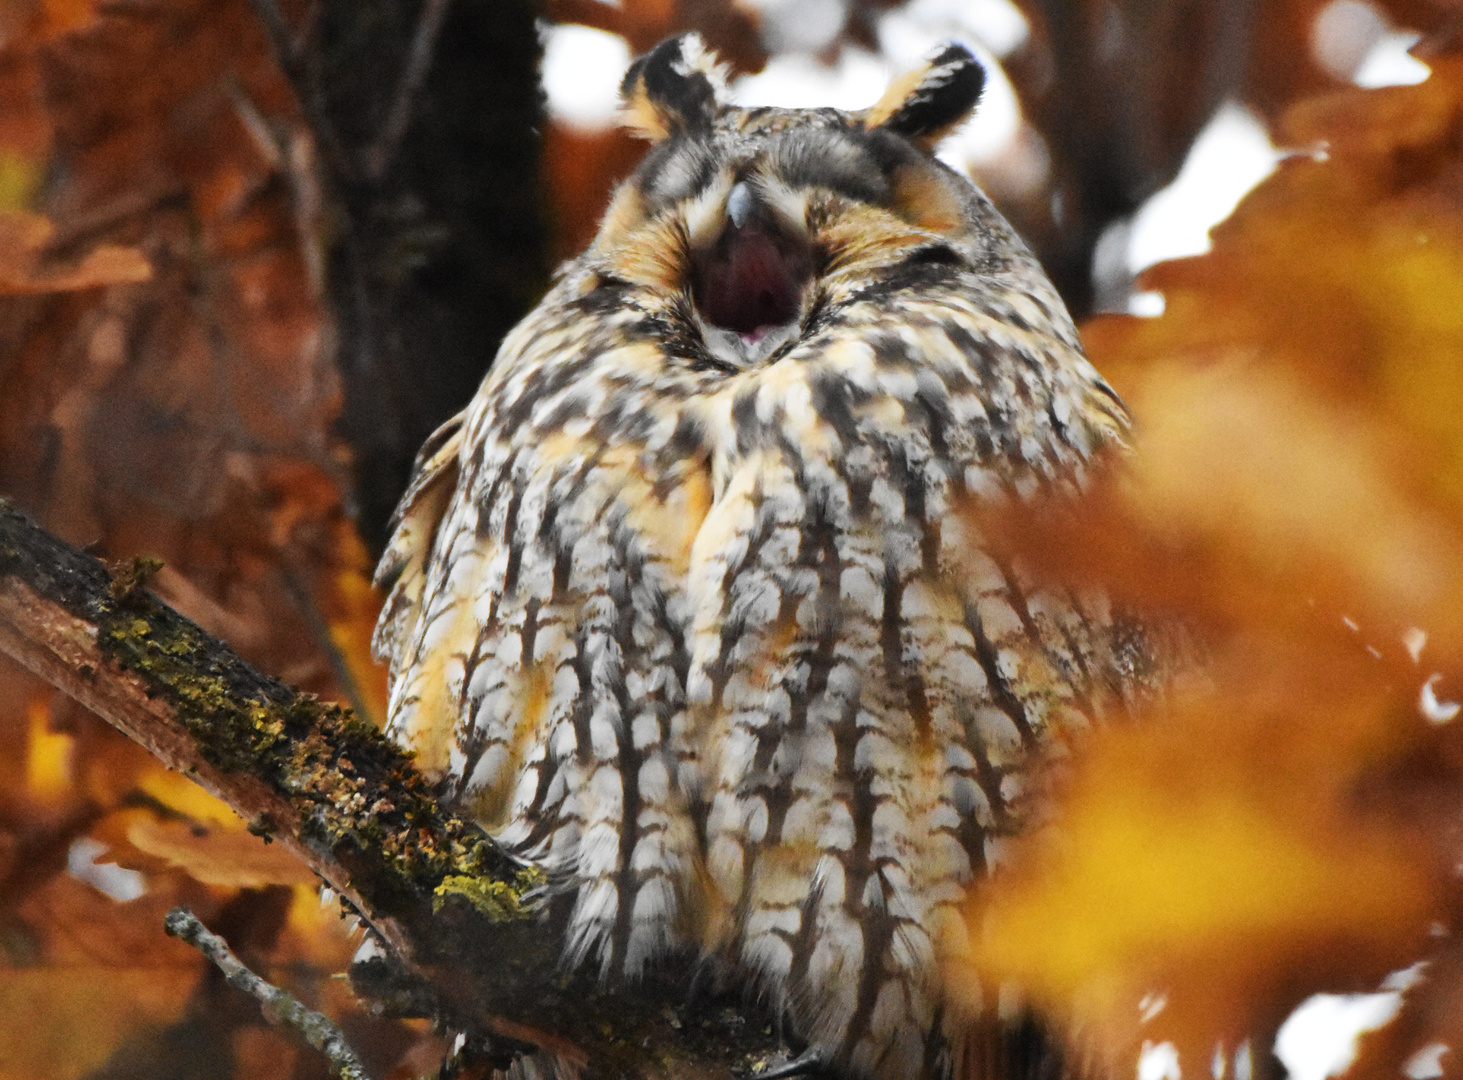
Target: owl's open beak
<point>751,280</point>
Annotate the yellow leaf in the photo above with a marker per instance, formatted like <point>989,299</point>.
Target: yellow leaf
<point>48,757</point>
<point>61,1023</point>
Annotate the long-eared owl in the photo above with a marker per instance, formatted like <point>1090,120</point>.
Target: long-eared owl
<point>684,606</point>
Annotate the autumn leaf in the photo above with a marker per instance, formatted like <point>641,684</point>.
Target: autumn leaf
<point>25,268</point>
<point>1282,820</point>
<point>167,389</point>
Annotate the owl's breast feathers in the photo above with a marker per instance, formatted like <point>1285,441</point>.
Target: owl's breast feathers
<point>684,609</point>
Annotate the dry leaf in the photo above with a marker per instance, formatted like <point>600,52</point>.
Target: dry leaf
<point>219,857</point>
<point>25,269</point>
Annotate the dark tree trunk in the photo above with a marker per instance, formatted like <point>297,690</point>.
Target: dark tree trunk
<point>442,242</point>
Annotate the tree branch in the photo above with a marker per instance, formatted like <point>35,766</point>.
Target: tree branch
<point>403,103</point>
<point>278,1005</point>
<point>310,775</point>
<point>290,54</point>
<point>459,914</point>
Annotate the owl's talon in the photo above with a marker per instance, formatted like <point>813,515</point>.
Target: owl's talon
<point>809,1063</point>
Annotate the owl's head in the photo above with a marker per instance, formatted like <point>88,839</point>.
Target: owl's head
<point>752,216</point>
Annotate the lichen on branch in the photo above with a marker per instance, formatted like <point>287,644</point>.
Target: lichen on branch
<point>470,938</point>
<point>339,786</point>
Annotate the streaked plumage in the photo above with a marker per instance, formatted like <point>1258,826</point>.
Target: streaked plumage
<point>681,607</point>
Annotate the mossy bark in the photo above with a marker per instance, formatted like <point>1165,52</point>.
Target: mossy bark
<point>470,943</point>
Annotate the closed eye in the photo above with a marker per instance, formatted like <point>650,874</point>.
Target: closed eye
<point>678,170</point>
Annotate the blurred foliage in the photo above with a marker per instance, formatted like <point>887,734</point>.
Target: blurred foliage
<point>167,387</point>
<point>187,371</point>
<point>1288,821</point>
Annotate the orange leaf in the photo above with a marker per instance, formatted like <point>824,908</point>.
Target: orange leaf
<point>217,857</point>
<point>25,269</point>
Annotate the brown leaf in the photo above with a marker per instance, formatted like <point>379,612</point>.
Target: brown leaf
<point>62,1022</point>
<point>25,268</point>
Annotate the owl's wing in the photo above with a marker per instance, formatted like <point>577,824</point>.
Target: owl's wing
<point>540,653</point>
<point>866,680</point>
<point>402,571</point>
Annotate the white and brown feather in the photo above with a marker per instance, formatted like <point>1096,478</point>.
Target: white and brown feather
<point>696,626</point>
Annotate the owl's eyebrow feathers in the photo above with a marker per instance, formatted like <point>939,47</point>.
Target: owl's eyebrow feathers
<point>830,158</point>
<point>846,160</point>
<point>678,169</point>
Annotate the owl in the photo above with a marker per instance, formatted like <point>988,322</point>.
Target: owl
<point>687,607</point>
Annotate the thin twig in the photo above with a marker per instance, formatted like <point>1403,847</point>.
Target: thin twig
<point>265,139</point>
<point>285,43</point>
<point>319,629</point>
<point>290,53</point>
<point>85,226</point>
<point>292,154</point>
<point>413,75</point>
<point>278,1006</point>
<point>456,912</point>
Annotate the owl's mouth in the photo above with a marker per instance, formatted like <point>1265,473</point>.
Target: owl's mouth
<point>748,285</point>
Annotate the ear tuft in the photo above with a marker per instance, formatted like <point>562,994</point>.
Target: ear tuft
<point>677,86</point>
<point>928,103</point>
